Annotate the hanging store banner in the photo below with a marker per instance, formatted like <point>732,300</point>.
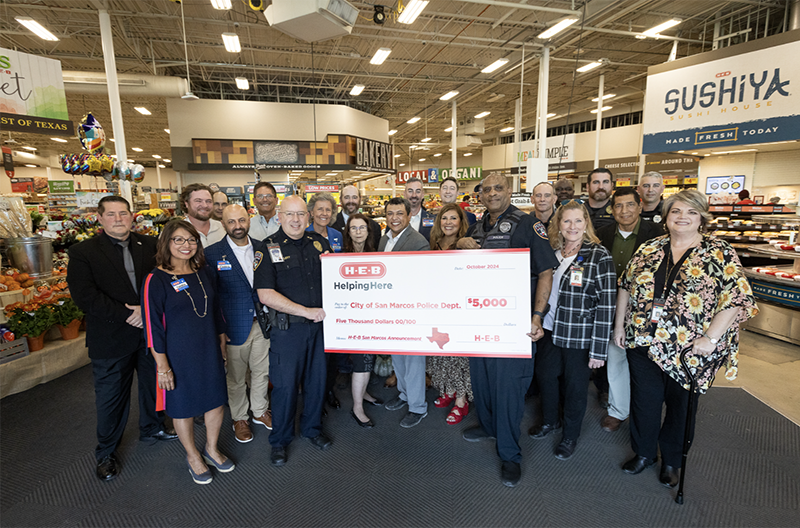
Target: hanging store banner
<point>373,156</point>
<point>32,97</point>
<point>741,95</point>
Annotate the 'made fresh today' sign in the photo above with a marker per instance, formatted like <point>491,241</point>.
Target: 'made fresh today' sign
<point>730,99</point>
<point>32,95</point>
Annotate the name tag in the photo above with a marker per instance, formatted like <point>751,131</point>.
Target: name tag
<point>427,222</point>
<point>275,254</point>
<point>576,277</point>
<point>658,310</point>
<point>223,265</point>
<point>337,247</point>
<point>179,285</point>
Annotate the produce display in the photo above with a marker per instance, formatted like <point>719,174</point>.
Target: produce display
<point>774,272</point>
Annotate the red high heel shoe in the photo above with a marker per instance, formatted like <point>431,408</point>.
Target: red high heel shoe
<point>457,414</point>
<point>444,400</point>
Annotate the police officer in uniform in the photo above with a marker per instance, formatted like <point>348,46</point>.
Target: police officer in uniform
<point>500,384</point>
<point>600,188</point>
<point>651,190</point>
<point>288,278</point>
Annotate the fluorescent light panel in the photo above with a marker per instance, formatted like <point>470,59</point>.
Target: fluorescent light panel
<point>496,65</point>
<point>606,96</point>
<point>392,132</point>
<point>652,32</point>
<point>413,120</point>
<point>422,159</point>
<point>425,140</point>
<point>551,115</point>
<point>448,96</point>
<point>558,28</point>
<point>165,160</point>
<point>437,155</point>
<point>136,149</point>
<point>156,156</point>
<point>31,166</point>
<point>142,110</point>
<point>482,115</point>
<point>468,154</point>
<point>38,29</point>
<point>242,83</point>
<point>603,109</point>
<point>29,148</point>
<point>357,89</point>
<point>59,140</point>
<point>222,5</point>
<point>160,166</point>
<point>448,129</point>
<point>507,129</point>
<point>231,41</point>
<point>380,55</point>
<point>165,130</point>
<point>588,67</point>
<point>412,11</point>
<point>734,151</point>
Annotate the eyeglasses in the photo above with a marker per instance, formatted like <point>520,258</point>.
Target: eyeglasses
<point>293,214</point>
<point>265,196</point>
<point>358,228</point>
<point>179,241</point>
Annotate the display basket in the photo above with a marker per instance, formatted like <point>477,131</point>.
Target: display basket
<point>12,350</point>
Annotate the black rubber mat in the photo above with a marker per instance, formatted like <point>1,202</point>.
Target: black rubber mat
<point>744,470</point>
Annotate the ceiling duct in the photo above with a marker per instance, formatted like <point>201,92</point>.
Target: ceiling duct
<point>95,83</point>
<point>312,20</point>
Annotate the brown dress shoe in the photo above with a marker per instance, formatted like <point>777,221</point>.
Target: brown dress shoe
<point>242,431</point>
<point>265,419</point>
<point>610,424</point>
<point>391,381</point>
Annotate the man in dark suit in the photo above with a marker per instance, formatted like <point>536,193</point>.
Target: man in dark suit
<point>421,219</point>
<point>104,275</point>
<point>622,239</point>
<point>350,201</point>
<point>410,370</point>
<point>243,342</point>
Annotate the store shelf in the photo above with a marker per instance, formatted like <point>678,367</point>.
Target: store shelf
<point>749,209</point>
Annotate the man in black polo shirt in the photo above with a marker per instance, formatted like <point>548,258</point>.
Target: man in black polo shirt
<point>600,188</point>
<point>651,188</point>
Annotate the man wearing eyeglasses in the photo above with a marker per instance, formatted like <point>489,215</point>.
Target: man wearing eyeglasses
<point>266,222</point>
<point>288,278</point>
<point>350,201</point>
<point>104,275</point>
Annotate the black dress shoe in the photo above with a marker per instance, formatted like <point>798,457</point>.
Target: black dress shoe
<point>377,403</point>
<point>510,473</point>
<point>333,401</point>
<point>164,435</point>
<point>668,476</point>
<point>321,442</point>
<point>537,433</point>
<point>107,468</point>
<point>366,425</point>
<point>278,456</point>
<point>637,464</point>
<point>565,449</point>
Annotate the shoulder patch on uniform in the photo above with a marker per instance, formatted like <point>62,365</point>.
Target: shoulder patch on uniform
<point>540,230</point>
<point>257,257</point>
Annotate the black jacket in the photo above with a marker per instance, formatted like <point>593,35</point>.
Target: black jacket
<point>340,225</point>
<point>648,230</point>
<point>101,288</point>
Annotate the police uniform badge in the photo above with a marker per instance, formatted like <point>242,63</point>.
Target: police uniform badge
<point>257,256</point>
<point>657,219</point>
<point>505,227</point>
<point>609,210</point>
<point>540,230</point>
<point>318,246</point>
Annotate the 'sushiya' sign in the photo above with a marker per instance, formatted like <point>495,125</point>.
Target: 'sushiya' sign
<point>373,155</point>
<point>741,99</point>
<point>32,95</point>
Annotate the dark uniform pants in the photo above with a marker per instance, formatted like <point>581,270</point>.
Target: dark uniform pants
<point>499,386</point>
<point>113,379</point>
<point>296,358</point>
<point>651,388</point>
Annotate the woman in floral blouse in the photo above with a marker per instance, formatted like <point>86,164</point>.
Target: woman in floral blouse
<point>685,290</point>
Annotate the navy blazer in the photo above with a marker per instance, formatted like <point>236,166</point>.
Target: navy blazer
<point>237,299</point>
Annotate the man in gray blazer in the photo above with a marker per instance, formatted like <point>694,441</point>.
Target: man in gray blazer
<point>410,370</point>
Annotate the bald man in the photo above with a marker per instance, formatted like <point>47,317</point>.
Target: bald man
<point>350,200</point>
<point>243,340</point>
<point>220,202</point>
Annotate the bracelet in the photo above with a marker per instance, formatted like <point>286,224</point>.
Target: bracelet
<point>164,373</point>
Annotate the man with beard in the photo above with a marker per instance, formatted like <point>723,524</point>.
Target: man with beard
<point>350,201</point>
<point>565,190</point>
<point>242,341</point>
<point>601,185</point>
<point>220,202</point>
<point>265,198</point>
<point>421,220</point>
<point>197,202</point>
<point>651,187</point>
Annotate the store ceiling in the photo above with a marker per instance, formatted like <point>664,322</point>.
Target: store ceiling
<point>444,50</point>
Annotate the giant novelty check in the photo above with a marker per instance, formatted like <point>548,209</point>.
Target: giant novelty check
<point>436,303</point>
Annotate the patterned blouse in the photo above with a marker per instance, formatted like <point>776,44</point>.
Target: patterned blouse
<point>710,280</point>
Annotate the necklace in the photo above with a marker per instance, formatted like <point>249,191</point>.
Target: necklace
<point>567,253</point>
<point>205,297</point>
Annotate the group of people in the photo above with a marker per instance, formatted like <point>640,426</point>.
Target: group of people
<point>614,296</point>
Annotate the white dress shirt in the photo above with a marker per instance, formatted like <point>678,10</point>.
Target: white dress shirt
<point>392,239</point>
<point>415,220</point>
<point>244,254</point>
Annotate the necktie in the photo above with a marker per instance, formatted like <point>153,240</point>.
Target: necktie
<point>127,259</point>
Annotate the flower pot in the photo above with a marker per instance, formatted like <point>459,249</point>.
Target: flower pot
<point>35,343</point>
<point>70,331</point>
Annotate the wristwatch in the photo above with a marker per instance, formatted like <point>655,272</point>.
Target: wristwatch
<point>713,341</point>
<point>542,314</point>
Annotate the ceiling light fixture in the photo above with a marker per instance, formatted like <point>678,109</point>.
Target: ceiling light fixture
<point>412,11</point>
<point>222,5</point>
<point>507,129</point>
<point>38,29</point>
<point>551,115</point>
<point>482,115</point>
<point>357,89</point>
<point>156,156</point>
<point>425,140</point>
<point>413,120</point>
<point>654,31</point>
<point>380,55</point>
<point>437,155</point>
<point>602,109</point>
<point>397,155</point>
<point>231,41</point>
<point>448,96</point>
<point>496,65</point>
<point>142,110</point>
<point>402,165</point>
<point>392,132</point>
<point>165,160</point>
<point>242,83</point>
<point>468,154</point>
<point>448,129</point>
<point>606,96</point>
<point>422,159</point>
<point>734,151</point>
<point>160,166</point>
<point>558,28</point>
<point>29,148</point>
<point>113,140</point>
<point>588,67</point>
<point>31,166</point>
<point>165,130</point>
<point>59,140</point>
<point>136,149</point>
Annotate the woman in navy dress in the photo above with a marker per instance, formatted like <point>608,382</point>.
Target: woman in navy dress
<point>181,330</point>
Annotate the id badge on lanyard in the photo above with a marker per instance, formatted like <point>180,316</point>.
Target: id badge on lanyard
<point>658,309</point>
<point>575,276</point>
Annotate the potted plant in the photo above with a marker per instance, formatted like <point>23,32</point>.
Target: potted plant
<point>32,320</point>
<point>67,316</point>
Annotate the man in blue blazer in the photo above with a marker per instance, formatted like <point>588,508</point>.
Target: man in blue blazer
<point>243,343</point>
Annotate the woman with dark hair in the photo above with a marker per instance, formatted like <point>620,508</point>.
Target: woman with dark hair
<point>181,321</point>
<point>358,239</point>
<point>450,374</point>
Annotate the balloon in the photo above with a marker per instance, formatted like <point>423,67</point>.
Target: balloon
<point>74,164</point>
<point>95,165</point>
<point>84,163</point>
<point>92,135</point>
<point>107,163</point>
<point>123,171</point>
<point>137,173</point>
<point>65,163</point>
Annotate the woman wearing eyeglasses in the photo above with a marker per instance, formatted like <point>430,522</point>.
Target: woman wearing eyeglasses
<point>181,321</point>
<point>358,239</point>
